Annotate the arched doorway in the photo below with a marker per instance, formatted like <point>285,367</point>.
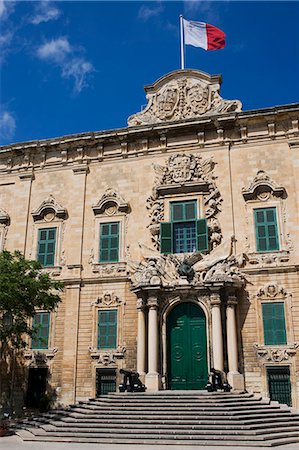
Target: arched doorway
<point>187,365</point>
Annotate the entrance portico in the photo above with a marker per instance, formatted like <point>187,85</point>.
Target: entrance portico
<point>216,306</point>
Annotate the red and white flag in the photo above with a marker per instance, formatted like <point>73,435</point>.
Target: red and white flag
<point>200,34</point>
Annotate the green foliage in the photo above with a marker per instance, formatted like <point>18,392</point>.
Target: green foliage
<point>24,287</point>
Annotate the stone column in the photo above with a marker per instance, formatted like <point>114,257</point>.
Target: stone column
<point>152,378</point>
<point>141,338</point>
<point>217,337</point>
<point>235,379</point>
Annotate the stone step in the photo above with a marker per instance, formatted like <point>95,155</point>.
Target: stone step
<point>195,407</point>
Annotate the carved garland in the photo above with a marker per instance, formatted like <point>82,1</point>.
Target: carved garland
<point>184,173</point>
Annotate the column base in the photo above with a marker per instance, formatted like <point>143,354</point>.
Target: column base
<point>236,380</point>
<point>152,381</point>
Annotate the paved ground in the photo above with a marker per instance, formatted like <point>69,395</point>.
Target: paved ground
<point>16,443</point>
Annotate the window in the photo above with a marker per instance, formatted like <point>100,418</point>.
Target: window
<point>274,323</point>
<point>185,233</point>
<point>109,242</point>
<point>107,328</point>
<point>46,246</point>
<point>266,230</point>
<point>41,327</point>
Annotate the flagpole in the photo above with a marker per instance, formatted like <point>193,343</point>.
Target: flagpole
<point>182,43</point>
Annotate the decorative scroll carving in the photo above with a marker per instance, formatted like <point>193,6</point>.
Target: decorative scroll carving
<point>272,290</point>
<point>4,217</point>
<point>183,94</point>
<point>107,358</point>
<point>262,187</point>
<point>268,259</point>
<point>156,269</point>
<point>110,203</point>
<point>48,210</point>
<point>40,357</point>
<point>109,299</point>
<point>276,354</point>
<point>110,270</point>
<point>190,172</point>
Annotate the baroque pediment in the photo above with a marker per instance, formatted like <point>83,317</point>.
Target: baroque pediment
<point>183,94</point>
<point>49,209</point>
<point>262,187</point>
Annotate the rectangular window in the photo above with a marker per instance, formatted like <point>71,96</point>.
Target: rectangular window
<point>109,242</point>
<point>185,233</point>
<point>266,230</point>
<point>41,327</point>
<point>46,246</point>
<point>274,324</point>
<point>107,329</point>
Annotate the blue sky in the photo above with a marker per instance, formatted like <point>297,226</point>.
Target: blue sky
<point>69,67</point>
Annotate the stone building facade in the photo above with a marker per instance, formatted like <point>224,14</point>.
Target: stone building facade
<point>177,239</point>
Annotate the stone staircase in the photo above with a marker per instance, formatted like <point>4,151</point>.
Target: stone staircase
<point>169,417</point>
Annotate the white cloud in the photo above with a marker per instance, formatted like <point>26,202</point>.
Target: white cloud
<point>64,55</point>
<point>202,8</point>
<point>146,12</point>
<point>56,49</point>
<point>7,125</point>
<point>6,8</point>
<point>44,12</point>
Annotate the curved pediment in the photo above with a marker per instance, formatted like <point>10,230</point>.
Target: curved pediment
<point>110,202</point>
<point>261,187</point>
<point>4,217</point>
<point>49,207</point>
<point>183,94</point>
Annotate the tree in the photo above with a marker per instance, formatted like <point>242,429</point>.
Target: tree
<point>24,288</point>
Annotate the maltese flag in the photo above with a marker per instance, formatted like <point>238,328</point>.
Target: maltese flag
<point>200,34</point>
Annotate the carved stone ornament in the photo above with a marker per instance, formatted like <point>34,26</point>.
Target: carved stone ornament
<point>109,299</point>
<point>4,217</point>
<point>187,171</point>
<point>113,270</point>
<point>110,203</point>
<point>48,210</point>
<point>40,357</point>
<point>108,357</point>
<point>262,187</point>
<point>268,259</point>
<point>271,291</point>
<point>156,269</point>
<point>276,354</point>
<point>183,94</point>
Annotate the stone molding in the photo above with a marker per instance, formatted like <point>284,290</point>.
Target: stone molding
<point>46,207</point>
<point>272,291</point>
<point>110,203</point>
<point>110,270</point>
<point>276,354</point>
<point>4,217</point>
<point>41,356</point>
<point>109,357</point>
<point>262,187</point>
<point>271,259</point>
<point>107,300</point>
<point>183,94</point>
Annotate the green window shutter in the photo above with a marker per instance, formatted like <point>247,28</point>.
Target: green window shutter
<point>166,237</point>
<point>202,235</point>
<point>183,211</point>
<point>266,230</point>
<point>46,246</point>
<point>109,242</point>
<point>41,328</point>
<point>274,324</point>
<point>107,329</point>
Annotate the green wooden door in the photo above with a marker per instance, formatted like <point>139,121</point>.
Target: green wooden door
<point>279,384</point>
<point>187,347</point>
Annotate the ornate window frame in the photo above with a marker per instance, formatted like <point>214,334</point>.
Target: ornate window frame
<point>4,223</point>
<point>261,193</point>
<point>110,208</point>
<point>107,357</point>
<point>280,353</point>
<point>41,356</point>
<point>50,214</point>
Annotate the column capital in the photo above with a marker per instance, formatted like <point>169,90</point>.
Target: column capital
<point>215,299</point>
<point>152,302</point>
<point>140,303</point>
<point>232,300</point>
